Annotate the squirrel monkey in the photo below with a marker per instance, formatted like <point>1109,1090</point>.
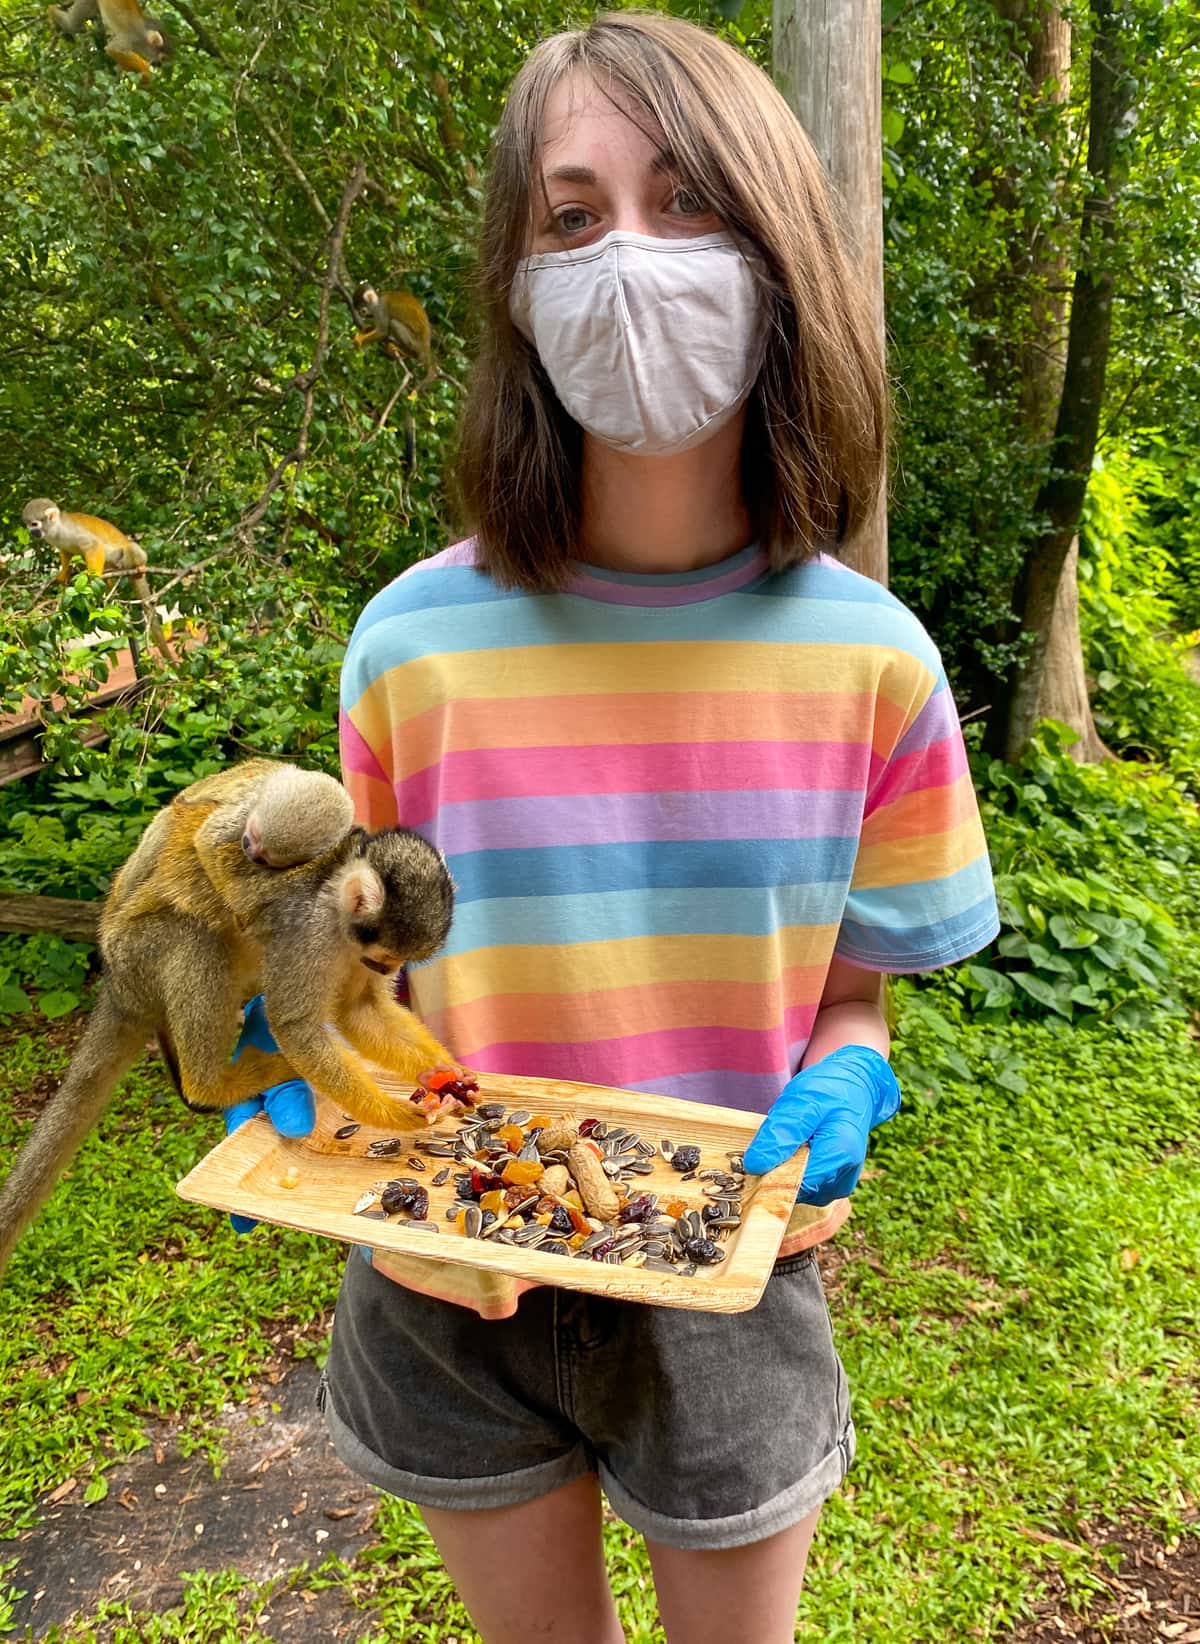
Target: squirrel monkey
<point>101,546</point>
<point>398,323</point>
<point>196,923</point>
<point>133,42</point>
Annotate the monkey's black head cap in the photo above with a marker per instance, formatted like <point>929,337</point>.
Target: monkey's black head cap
<point>418,902</point>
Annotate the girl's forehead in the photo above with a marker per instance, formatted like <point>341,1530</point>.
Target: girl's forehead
<point>584,125</point>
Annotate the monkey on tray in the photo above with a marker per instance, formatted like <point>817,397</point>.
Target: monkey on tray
<point>252,881</point>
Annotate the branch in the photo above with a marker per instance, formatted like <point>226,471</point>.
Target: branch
<point>295,458</point>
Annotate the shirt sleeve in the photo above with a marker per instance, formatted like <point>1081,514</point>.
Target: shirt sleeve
<point>921,895</point>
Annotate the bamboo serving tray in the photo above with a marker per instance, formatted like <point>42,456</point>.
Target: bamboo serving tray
<point>247,1173</point>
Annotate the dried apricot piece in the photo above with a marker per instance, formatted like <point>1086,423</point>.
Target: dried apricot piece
<point>539,1121</point>
<point>518,1172</point>
<point>492,1200</point>
<point>512,1136</point>
<point>674,1207</point>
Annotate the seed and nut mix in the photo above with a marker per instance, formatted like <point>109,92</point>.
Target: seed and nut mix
<point>567,1187</point>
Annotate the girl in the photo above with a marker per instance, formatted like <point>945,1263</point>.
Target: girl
<point>698,785</point>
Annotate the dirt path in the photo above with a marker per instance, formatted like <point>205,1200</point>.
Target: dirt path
<point>283,1498</point>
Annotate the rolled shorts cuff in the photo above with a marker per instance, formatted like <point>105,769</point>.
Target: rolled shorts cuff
<point>501,1490</point>
<point>738,1529</point>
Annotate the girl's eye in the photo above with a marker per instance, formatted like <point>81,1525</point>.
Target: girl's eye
<point>572,219</point>
<point>690,204</point>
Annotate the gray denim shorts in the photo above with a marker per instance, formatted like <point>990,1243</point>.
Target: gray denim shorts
<point>707,1430</point>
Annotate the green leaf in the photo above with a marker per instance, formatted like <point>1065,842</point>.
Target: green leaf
<point>58,1002</point>
<point>14,1001</point>
<point>1042,992</point>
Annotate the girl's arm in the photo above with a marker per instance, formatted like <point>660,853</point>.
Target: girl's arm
<point>850,1012</point>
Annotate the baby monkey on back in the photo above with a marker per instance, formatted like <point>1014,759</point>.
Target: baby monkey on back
<point>252,880</point>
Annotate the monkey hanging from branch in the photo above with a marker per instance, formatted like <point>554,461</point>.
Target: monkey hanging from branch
<point>253,880</point>
<point>105,551</point>
<point>133,42</point>
<point>399,326</point>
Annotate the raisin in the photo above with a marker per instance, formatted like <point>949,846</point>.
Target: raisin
<point>405,1195</point>
<point>555,1247</point>
<point>465,1187</point>
<point>685,1158</point>
<point>560,1221</point>
<point>704,1251</point>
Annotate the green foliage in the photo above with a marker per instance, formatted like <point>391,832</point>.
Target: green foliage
<point>1095,867</point>
<point>53,968</point>
<point>1146,706</point>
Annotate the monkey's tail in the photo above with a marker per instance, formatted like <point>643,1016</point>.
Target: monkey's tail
<point>109,1047</point>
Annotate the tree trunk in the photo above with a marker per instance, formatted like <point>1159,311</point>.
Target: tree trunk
<point>1036,598</point>
<point>827,65</point>
<point>57,915</point>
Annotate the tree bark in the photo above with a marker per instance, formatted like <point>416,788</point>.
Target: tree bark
<point>1060,498</point>
<point>56,915</point>
<point>826,62</point>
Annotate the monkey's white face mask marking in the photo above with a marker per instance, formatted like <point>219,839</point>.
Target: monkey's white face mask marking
<point>651,345</point>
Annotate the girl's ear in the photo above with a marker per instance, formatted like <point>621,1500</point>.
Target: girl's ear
<point>360,892</point>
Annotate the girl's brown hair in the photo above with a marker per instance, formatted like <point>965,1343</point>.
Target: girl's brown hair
<point>813,455</point>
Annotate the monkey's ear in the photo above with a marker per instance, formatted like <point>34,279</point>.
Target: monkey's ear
<point>361,892</point>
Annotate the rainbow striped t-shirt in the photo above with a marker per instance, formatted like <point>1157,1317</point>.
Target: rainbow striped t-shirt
<point>666,802</point>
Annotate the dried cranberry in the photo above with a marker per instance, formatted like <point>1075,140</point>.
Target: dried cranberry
<point>485,1181</point>
<point>641,1209</point>
<point>599,1251</point>
<point>685,1158</point>
<point>586,1126</point>
<point>560,1221</point>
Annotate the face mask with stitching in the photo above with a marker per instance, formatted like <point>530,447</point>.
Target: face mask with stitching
<point>651,345</point>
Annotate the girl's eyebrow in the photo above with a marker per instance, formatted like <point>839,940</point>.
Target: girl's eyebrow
<point>663,161</point>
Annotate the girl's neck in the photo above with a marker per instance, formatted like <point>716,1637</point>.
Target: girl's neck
<point>661,514</point>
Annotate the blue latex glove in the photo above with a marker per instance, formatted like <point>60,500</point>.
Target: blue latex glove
<point>833,1106</point>
<point>289,1106</point>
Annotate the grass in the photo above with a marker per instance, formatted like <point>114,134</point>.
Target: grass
<point>1015,1302</point>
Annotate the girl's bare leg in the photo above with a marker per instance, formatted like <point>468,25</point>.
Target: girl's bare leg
<point>533,1573</point>
<point>757,1586</point>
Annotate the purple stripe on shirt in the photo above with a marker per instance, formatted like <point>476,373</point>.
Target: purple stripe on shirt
<point>602,819</point>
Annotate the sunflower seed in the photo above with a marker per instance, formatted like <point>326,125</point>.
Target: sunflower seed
<point>424,1225</point>
<point>385,1148</point>
<point>372,1215</point>
<point>489,1110</point>
<point>363,1200</point>
<point>414,1163</point>
<point>666,1147</point>
<point>473,1221</point>
<point>635,1258</point>
<point>641,1167</point>
<point>346,1130</point>
<point>436,1181</point>
<point>646,1149</point>
<point>529,1152</point>
<point>520,1117</point>
<point>653,1264</point>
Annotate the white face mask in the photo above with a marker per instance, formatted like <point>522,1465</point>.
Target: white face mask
<point>651,345</point>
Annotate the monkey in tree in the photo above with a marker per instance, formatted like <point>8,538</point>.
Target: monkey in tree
<point>104,549</point>
<point>184,946</point>
<point>133,42</point>
<point>398,324</point>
